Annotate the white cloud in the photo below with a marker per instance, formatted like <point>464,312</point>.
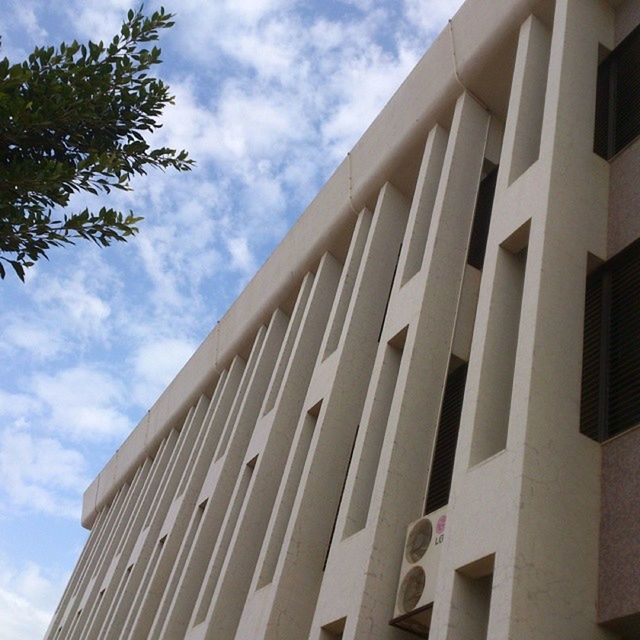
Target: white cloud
<point>156,364</point>
<point>17,405</point>
<point>380,73</point>
<point>245,123</point>
<point>253,10</point>
<point>241,257</point>
<point>98,19</point>
<point>28,597</point>
<point>70,307</point>
<point>80,305</point>
<point>40,474</point>
<point>206,26</point>
<point>25,335</point>
<point>431,16</point>
<point>187,124</point>
<point>83,403</point>
<point>178,250</point>
<point>26,16</point>
<point>20,618</point>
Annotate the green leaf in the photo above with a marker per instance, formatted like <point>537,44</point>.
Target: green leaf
<point>77,119</point>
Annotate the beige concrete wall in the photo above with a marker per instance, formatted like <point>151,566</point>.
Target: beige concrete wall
<point>381,154</point>
<point>268,492</point>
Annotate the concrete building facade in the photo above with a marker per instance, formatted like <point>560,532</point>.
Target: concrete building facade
<point>418,418</point>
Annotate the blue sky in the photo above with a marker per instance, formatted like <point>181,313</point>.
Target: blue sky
<point>270,95</point>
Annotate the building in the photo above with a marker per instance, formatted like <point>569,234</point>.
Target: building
<point>450,330</point>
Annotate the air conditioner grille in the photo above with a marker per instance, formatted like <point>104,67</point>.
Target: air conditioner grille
<point>411,589</point>
<point>418,540</point>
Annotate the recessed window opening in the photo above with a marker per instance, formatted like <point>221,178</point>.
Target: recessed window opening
<point>471,597</point>
<point>499,357</point>
<point>164,480</point>
<point>333,630</point>
<point>423,201</point>
<point>276,540</point>
<point>530,78</point>
<point>618,98</point>
<point>213,575</point>
<point>348,280</point>
<point>378,418</point>
<point>287,348</point>
<point>610,401</point>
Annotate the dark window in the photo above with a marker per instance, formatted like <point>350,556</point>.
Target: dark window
<point>482,219</point>
<point>618,98</point>
<point>446,440</point>
<point>611,357</point>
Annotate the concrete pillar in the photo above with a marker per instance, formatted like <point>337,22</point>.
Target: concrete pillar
<point>531,495</point>
<point>299,570</point>
<point>400,488</point>
<point>229,451</point>
<point>238,563</point>
<point>159,522</point>
<point>188,521</point>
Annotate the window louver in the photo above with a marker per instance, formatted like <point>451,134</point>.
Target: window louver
<point>611,356</point>
<point>601,143</point>
<point>446,440</point>
<point>618,98</point>
<point>624,349</point>
<point>591,361</point>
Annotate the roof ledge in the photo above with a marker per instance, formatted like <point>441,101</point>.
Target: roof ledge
<point>411,112</point>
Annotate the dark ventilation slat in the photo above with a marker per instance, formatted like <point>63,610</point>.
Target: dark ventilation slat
<point>601,136</point>
<point>610,401</point>
<point>482,220</point>
<point>618,98</point>
<point>627,96</point>
<point>446,440</point>
<point>624,352</point>
<point>589,406</point>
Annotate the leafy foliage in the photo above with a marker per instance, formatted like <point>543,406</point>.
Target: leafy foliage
<point>73,119</point>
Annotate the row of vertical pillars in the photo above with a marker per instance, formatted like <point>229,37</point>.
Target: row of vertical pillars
<point>490,434</point>
<point>521,148</point>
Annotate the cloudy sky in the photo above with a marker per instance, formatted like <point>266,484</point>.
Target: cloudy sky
<point>270,95</point>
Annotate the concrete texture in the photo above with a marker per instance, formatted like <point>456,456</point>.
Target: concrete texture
<point>619,588</point>
<point>268,492</point>
<point>382,153</point>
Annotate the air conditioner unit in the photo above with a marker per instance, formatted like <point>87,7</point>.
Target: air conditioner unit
<point>416,589</point>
